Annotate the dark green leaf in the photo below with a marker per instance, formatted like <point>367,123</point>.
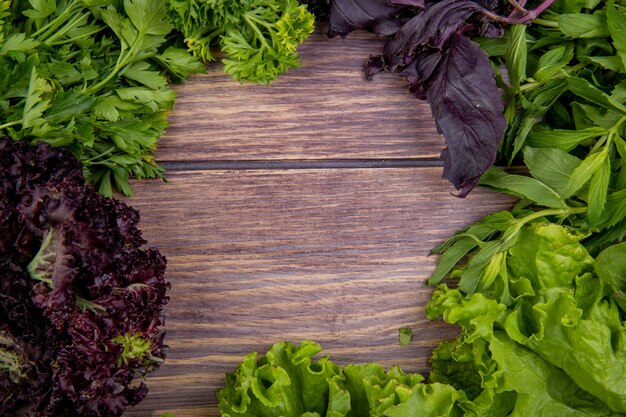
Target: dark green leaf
<point>611,266</point>
<point>614,210</point>
<point>450,258</point>
<point>617,28</point>
<point>587,91</point>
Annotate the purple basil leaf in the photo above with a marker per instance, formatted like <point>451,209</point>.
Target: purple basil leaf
<point>349,15</point>
<point>415,3</point>
<point>433,27</point>
<point>468,109</point>
<point>421,70</point>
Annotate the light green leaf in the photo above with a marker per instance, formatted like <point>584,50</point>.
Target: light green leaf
<point>148,16</point>
<point>516,55</point>
<point>35,104</point>
<point>180,63</point>
<point>580,25</point>
<point>473,275</point>
<point>617,28</point>
<point>565,140</point>
<point>141,72</point>
<point>553,61</point>
<point>41,9</point>
<point>519,185</point>
<point>18,42</point>
<point>598,190</point>
<point>585,171</point>
<point>162,98</point>
<point>551,166</point>
<point>612,63</point>
<point>619,92</point>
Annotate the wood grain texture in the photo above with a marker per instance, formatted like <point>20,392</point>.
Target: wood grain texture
<point>260,256</point>
<point>325,109</point>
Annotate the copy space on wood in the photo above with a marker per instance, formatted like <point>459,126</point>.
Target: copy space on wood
<point>325,109</point>
<point>257,257</point>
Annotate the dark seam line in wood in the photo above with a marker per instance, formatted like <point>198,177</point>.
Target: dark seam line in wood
<point>300,164</point>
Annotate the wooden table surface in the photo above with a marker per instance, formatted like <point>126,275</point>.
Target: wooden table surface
<point>302,210</point>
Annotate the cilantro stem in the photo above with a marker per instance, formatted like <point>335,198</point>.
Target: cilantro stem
<point>52,25</point>
<point>77,20</point>
<point>9,124</point>
<point>251,22</point>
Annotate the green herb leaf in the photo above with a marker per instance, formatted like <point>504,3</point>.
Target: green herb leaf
<point>551,166</point>
<point>565,140</point>
<point>519,185</point>
<point>516,55</point>
<point>581,25</point>
<point>617,28</point>
<point>585,171</point>
<point>587,91</point>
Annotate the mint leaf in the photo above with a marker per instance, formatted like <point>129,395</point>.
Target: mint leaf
<point>617,28</point>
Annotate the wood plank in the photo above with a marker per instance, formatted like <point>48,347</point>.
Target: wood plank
<point>325,109</point>
<point>256,257</point>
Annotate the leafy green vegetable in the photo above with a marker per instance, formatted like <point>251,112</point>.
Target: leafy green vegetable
<point>259,37</point>
<point>406,335</point>
<point>91,75</point>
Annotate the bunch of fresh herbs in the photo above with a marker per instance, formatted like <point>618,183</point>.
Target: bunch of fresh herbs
<point>91,75</point>
<point>259,37</point>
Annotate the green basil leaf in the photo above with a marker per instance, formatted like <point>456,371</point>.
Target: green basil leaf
<point>551,166</point>
<point>519,185</point>
<point>616,23</point>
<point>475,270</point>
<point>614,210</point>
<point>586,90</point>
<point>580,25</point>
<point>565,140</point>
<point>612,63</point>
<point>598,189</point>
<point>586,115</point>
<point>585,171</point>
<point>619,92</point>
<point>553,61</point>
<point>516,55</point>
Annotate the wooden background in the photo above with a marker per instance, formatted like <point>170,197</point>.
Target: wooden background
<point>302,210</point>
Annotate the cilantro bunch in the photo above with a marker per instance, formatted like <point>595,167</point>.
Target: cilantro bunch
<point>259,37</point>
<point>92,76</point>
